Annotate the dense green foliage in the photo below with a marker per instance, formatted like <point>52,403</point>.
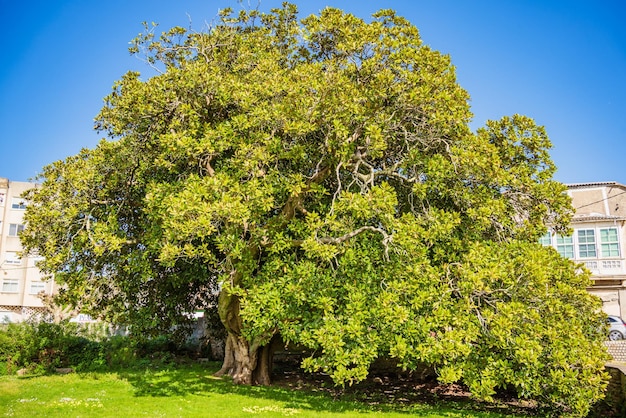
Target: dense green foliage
<point>322,176</point>
<point>42,347</point>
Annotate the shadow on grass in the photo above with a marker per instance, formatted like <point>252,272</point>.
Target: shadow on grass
<point>198,379</point>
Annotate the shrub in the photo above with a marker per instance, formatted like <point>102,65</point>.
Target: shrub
<point>46,346</point>
<point>42,347</point>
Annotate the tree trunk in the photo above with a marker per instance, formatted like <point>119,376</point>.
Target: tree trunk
<point>247,364</point>
<point>265,363</point>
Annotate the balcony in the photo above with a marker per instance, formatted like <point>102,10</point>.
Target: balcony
<point>605,267</point>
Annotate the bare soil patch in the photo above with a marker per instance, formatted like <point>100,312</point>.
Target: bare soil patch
<point>401,388</point>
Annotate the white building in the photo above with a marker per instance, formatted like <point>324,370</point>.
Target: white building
<point>598,240</point>
<point>20,280</point>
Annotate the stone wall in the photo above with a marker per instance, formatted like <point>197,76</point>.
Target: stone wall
<point>614,403</point>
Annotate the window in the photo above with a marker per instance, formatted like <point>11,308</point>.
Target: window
<point>565,246</point>
<point>10,285</point>
<point>546,239</point>
<point>609,243</point>
<point>11,257</point>
<point>15,229</point>
<point>586,243</point>
<point>18,203</point>
<point>37,287</point>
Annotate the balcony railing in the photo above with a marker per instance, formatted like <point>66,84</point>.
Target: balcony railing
<point>605,267</point>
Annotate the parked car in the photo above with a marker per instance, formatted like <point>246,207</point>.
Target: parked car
<point>617,328</point>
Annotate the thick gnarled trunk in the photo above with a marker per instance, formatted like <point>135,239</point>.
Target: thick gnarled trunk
<point>246,363</point>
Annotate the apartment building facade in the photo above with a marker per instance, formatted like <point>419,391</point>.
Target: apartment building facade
<point>598,239</point>
<point>21,282</point>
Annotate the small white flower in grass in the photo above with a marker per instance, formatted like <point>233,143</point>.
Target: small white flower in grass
<point>271,408</point>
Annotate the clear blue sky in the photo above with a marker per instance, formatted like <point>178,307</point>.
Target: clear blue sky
<point>562,63</point>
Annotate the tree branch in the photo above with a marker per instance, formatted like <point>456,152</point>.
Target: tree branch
<point>338,240</point>
<point>295,201</point>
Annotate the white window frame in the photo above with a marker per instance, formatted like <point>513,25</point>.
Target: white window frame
<point>36,288</point>
<point>13,283</point>
<point>546,239</point>
<point>609,248</point>
<point>586,243</point>
<point>18,203</point>
<point>564,243</point>
<point>15,229</point>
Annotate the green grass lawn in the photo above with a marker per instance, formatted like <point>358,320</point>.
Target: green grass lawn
<point>187,391</point>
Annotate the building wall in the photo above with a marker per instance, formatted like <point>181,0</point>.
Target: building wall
<point>598,206</point>
<point>607,198</point>
<point>20,280</point>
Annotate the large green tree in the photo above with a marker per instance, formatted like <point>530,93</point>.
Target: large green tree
<point>321,178</point>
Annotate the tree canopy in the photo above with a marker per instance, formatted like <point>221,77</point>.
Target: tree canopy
<point>320,176</point>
